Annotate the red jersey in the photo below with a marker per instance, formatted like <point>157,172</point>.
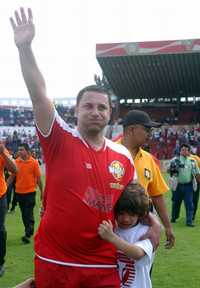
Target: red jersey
<point>82,187</point>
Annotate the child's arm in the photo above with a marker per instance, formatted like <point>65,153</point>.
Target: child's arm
<point>105,230</point>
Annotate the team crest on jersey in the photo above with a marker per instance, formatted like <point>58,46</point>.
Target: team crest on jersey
<point>147,173</point>
<point>117,170</point>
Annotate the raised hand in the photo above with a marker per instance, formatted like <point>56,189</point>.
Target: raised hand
<point>23,27</point>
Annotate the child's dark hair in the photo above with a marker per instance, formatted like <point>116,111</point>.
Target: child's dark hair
<point>133,200</point>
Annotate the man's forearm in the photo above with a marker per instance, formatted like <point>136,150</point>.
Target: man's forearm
<point>10,163</point>
<point>160,206</point>
<point>154,232</point>
<point>32,76</point>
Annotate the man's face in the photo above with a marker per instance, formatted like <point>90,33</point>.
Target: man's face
<point>33,153</point>
<point>93,112</point>
<point>140,134</point>
<point>22,152</point>
<point>184,151</point>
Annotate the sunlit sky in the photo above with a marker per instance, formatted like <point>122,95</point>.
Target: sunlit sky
<point>68,30</point>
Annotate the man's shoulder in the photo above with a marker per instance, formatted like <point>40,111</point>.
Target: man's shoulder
<point>118,148</point>
<point>175,158</point>
<point>33,160</point>
<point>18,160</point>
<point>150,157</point>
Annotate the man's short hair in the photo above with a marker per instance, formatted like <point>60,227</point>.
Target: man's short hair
<point>25,146</point>
<point>185,145</point>
<point>133,200</point>
<point>93,88</point>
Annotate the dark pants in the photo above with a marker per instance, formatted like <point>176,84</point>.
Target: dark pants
<point>3,209</point>
<point>196,200</point>
<point>183,192</point>
<point>27,204</point>
<point>11,197</point>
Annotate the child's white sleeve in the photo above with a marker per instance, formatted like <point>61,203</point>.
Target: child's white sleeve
<point>147,247</point>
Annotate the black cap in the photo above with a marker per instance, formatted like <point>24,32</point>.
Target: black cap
<point>139,117</point>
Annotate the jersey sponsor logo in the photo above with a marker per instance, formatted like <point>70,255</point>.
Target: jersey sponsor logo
<point>116,186</point>
<point>147,173</point>
<point>117,170</point>
<point>98,200</point>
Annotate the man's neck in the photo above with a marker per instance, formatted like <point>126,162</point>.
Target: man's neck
<point>133,149</point>
<point>95,140</point>
<point>25,158</point>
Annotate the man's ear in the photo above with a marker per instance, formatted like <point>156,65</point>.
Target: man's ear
<point>130,129</point>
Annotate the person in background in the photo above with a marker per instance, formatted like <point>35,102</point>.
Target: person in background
<point>34,155</point>
<point>7,162</point>
<point>28,178</point>
<point>10,193</point>
<point>196,193</point>
<point>184,168</point>
<point>137,126</point>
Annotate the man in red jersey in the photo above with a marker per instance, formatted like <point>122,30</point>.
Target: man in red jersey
<point>85,175</point>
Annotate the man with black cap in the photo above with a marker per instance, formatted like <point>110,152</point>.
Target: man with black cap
<point>137,126</point>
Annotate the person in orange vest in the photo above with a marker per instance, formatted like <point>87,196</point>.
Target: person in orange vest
<point>28,178</point>
<point>7,162</point>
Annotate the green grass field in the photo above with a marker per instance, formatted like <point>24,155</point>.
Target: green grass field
<point>178,267</point>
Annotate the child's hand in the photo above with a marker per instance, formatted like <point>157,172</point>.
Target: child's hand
<point>105,230</point>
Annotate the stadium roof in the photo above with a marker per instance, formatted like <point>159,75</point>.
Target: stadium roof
<point>152,70</point>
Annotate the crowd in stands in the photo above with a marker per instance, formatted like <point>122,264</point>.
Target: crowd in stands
<point>168,115</point>
<point>13,139</point>
<point>20,116</point>
<point>166,141</point>
<point>15,116</point>
<point>164,144</point>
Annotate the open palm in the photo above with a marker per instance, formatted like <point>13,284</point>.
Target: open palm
<point>23,27</point>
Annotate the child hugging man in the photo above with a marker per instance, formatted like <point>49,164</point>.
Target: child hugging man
<point>135,256</point>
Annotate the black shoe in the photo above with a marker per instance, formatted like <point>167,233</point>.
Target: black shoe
<point>2,270</point>
<point>190,225</point>
<point>173,220</point>
<point>25,240</point>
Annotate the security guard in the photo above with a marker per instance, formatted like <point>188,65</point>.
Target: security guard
<point>137,127</point>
